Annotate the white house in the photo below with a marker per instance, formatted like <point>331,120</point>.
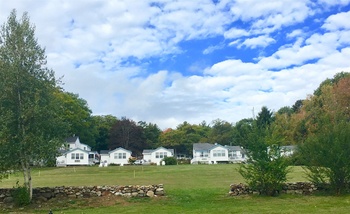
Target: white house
<point>117,156</point>
<point>288,151</point>
<point>157,155</point>
<point>73,152</point>
<point>236,154</point>
<point>215,153</point>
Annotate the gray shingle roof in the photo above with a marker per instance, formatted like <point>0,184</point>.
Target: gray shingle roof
<point>203,146</point>
<point>72,139</point>
<point>104,152</point>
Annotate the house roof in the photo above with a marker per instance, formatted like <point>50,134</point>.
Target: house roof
<point>203,146</point>
<point>76,149</point>
<point>209,146</point>
<point>148,151</point>
<point>83,144</point>
<point>289,148</point>
<point>104,152</point>
<point>120,148</point>
<point>72,139</point>
<point>234,148</point>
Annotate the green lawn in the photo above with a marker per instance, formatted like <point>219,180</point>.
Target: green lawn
<point>189,189</point>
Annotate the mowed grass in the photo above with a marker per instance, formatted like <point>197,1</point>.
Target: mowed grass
<point>189,189</point>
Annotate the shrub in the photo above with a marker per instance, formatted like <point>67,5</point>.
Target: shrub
<point>266,171</point>
<point>326,157</point>
<point>132,160</point>
<point>20,195</point>
<point>170,161</point>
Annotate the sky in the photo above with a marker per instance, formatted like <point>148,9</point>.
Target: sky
<point>170,61</point>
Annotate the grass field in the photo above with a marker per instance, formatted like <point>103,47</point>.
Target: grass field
<point>189,189</point>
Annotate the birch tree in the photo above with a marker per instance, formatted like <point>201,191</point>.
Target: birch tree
<point>30,127</point>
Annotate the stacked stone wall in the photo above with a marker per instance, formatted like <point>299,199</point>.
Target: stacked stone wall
<point>46,193</point>
<point>301,188</point>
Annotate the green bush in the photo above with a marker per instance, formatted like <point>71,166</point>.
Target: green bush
<point>266,171</point>
<point>170,161</point>
<point>326,157</point>
<point>20,195</point>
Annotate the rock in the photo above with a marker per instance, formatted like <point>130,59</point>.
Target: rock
<point>150,194</point>
<point>118,194</point>
<point>41,199</point>
<point>8,200</point>
<point>159,191</point>
<point>47,195</point>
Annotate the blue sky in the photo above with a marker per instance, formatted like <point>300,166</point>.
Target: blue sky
<point>170,61</point>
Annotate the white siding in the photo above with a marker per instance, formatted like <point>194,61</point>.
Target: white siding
<point>119,156</point>
<point>81,157</point>
<point>147,157</point>
<point>158,155</point>
<point>219,153</point>
<point>104,158</point>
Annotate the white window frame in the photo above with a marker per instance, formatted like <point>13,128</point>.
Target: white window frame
<point>219,153</point>
<point>161,155</point>
<point>120,155</point>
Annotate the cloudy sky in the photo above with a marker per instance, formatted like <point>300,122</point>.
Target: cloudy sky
<point>170,61</point>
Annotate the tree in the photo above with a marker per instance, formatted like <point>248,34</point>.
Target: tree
<point>241,131</point>
<point>151,134</point>
<point>103,125</point>
<point>267,169</point>
<point>127,134</point>
<point>221,132</point>
<point>184,136</point>
<point>31,127</point>
<point>77,114</point>
<point>326,150</point>
<point>264,118</point>
<point>330,82</point>
<point>285,110</point>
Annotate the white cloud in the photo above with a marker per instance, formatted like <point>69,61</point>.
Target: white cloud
<point>294,33</point>
<point>270,15</point>
<point>260,41</point>
<point>213,48</point>
<point>102,49</point>
<point>235,33</point>
<point>334,2</point>
<point>338,21</point>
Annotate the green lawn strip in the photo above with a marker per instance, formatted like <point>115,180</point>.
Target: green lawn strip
<point>189,189</point>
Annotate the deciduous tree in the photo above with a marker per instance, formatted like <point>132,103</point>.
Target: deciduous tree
<point>127,134</point>
<point>326,150</point>
<point>31,129</point>
<point>77,114</point>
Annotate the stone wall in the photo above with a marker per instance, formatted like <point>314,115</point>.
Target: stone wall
<point>46,193</point>
<point>301,188</point>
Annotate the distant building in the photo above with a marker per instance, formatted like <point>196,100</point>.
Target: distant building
<point>216,153</point>
<point>118,156</point>
<point>157,155</point>
<point>75,153</point>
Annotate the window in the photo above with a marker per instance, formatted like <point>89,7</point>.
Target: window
<point>219,153</point>
<point>77,156</point>
<point>204,154</point>
<point>119,155</point>
<point>161,154</point>
<point>233,154</point>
